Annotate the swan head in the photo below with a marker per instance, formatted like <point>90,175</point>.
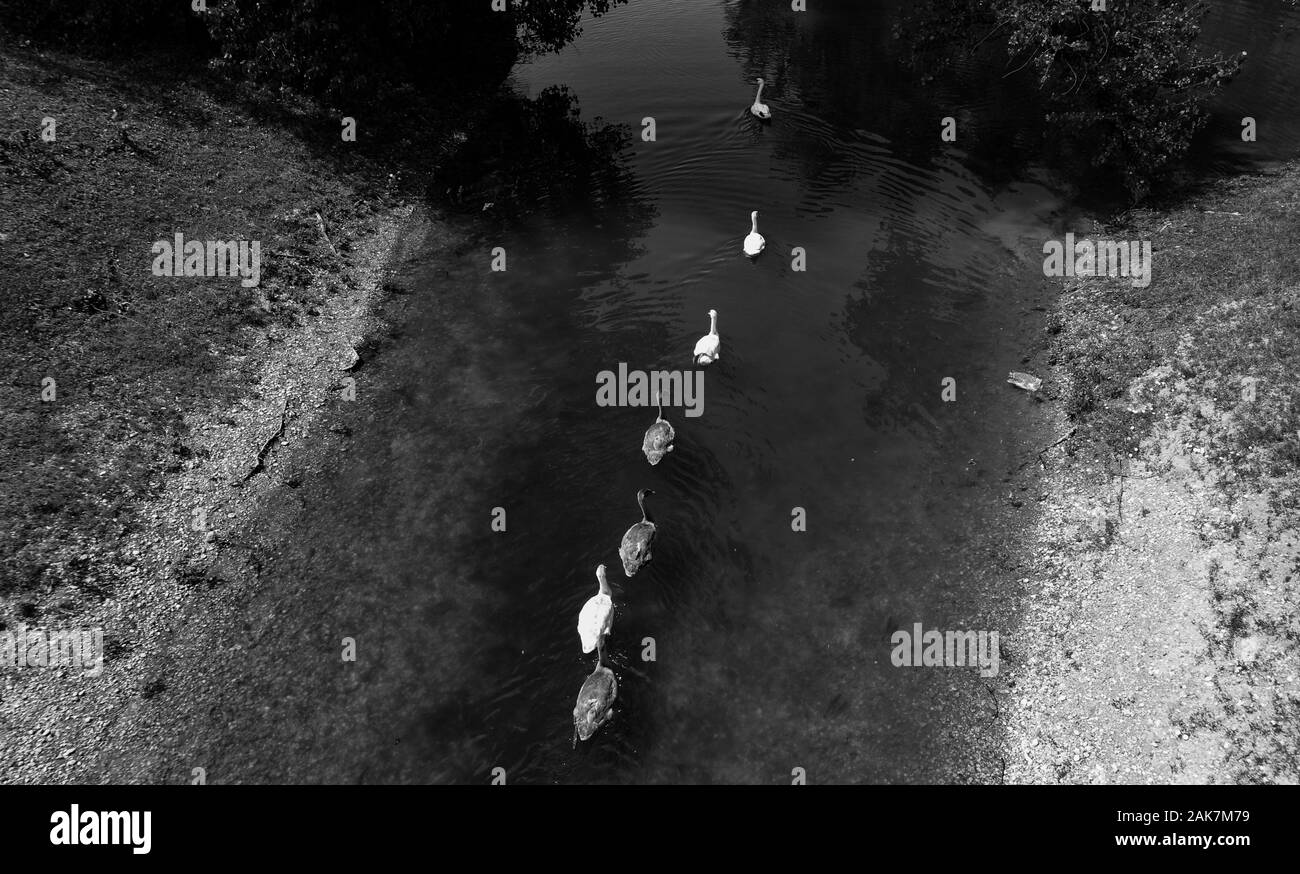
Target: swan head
<point>760,81</point>
<point>600,572</point>
<point>753,216</point>
<point>713,314</point>
<point>644,493</point>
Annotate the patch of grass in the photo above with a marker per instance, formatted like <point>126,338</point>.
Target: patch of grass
<point>1223,308</point>
<point>138,158</point>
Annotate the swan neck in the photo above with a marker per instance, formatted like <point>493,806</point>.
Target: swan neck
<point>713,324</point>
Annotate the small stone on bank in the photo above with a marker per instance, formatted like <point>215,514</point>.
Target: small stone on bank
<point>1024,380</point>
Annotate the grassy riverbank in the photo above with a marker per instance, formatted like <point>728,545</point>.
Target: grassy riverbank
<point>1162,637</point>
<point>169,395</point>
<point>132,355</point>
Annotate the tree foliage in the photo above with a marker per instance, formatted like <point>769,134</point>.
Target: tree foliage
<point>336,49</point>
<point>1124,86</point>
<point>102,24</point>
<point>342,49</point>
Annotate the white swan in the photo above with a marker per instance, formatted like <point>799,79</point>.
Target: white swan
<point>754,243</point>
<point>596,620</point>
<point>708,348</point>
<point>759,109</point>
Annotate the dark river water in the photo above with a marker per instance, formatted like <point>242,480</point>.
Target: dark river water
<point>771,645</point>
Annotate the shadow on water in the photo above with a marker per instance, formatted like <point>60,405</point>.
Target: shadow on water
<point>1269,32</point>
<point>475,396</point>
<point>562,207</point>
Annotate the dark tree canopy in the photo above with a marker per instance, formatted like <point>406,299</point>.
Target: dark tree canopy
<point>1122,86</point>
<point>334,49</point>
<point>343,49</point>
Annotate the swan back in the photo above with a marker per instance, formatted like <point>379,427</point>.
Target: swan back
<point>595,704</point>
<point>635,550</point>
<point>708,347</point>
<point>658,437</point>
<point>658,441</point>
<point>596,620</point>
<point>754,242</point>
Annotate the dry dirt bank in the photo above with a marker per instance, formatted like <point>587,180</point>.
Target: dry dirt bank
<point>1162,632</point>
